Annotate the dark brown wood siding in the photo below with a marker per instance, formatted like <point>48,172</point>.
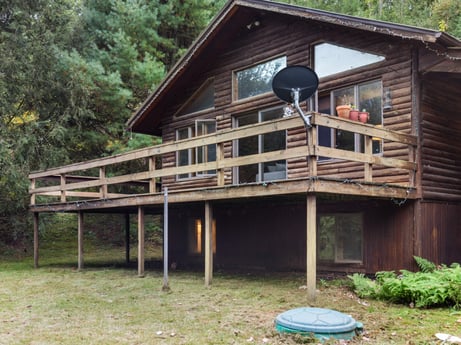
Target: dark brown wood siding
<point>441,138</point>
<point>279,35</point>
<point>270,234</point>
<point>440,232</point>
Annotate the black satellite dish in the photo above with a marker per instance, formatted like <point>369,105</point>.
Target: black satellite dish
<point>295,84</point>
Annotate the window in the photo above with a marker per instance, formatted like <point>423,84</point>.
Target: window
<point>196,238</point>
<point>199,155</point>
<point>257,80</point>
<point>267,171</point>
<point>331,59</point>
<point>339,238</point>
<point>366,96</point>
<point>201,100</point>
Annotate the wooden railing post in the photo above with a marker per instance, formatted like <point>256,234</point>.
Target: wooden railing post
<point>311,143</point>
<point>63,185</point>
<point>103,188</point>
<point>32,195</point>
<point>220,157</point>
<point>152,182</point>
<point>368,167</point>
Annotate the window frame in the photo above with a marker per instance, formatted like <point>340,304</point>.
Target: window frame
<point>358,138</point>
<point>207,83</point>
<point>348,70</point>
<point>337,259</point>
<point>260,176</point>
<point>235,83</point>
<point>193,152</point>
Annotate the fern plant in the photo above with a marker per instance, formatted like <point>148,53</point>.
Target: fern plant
<point>432,286</point>
<point>425,265</point>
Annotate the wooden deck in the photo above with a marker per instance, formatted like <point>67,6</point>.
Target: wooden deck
<point>99,184</point>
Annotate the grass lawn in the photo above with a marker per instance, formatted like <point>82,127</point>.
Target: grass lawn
<point>103,304</point>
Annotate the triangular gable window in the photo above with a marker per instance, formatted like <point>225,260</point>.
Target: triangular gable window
<point>202,99</point>
<point>331,59</point>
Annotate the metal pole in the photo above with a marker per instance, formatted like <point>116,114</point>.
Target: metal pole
<point>165,239</point>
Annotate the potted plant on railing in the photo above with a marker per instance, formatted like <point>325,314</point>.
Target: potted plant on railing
<point>344,106</point>
<point>364,115</point>
<point>354,114</point>
<point>343,110</point>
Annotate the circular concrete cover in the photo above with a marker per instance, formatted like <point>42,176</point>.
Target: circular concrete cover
<point>316,320</point>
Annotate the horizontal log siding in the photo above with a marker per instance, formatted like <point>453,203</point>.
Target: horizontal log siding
<point>294,38</point>
<point>440,140</point>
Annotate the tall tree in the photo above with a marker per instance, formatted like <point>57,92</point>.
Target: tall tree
<point>71,73</point>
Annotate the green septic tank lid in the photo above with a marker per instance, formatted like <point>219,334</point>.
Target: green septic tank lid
<point>321,322</point>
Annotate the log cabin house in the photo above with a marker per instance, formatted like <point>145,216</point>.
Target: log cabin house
<point>249,186</point>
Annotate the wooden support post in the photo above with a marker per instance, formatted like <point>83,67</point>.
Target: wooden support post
<point>311,250</point>
<point>208,243</point>
<point>127,238</point>
<point>166,286</point>
<point>140,242</point>
<point>80,239</point>
<point>36,228</point>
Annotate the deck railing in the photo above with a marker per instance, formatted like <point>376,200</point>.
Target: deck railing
<point>101,178</point>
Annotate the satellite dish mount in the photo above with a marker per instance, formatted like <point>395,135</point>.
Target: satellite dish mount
<point>295,84</point>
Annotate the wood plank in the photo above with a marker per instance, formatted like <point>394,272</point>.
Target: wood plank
<point>226,163</point>
<point>353,126</point>
<point>283,187</point>
<point>323,151</point>
<point>214,138</point>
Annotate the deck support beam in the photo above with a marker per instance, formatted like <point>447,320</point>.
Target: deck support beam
<point>208,243</point>
<point>80,229</point>
<point>36,229</point>
<point>140,242</point>
<point>311,250</point>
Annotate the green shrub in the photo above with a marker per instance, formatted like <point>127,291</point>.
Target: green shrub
<point>431,287</point>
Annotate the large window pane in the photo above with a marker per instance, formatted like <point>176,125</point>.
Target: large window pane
<point>257,79</point>
<point>206,153</point>
<point>274,170</point>
<point>184,156</point>
<point>370,99</point>
<point>339,238</point>
<point>200,100</point>
<point>248,146</point>
<point>331,59</point>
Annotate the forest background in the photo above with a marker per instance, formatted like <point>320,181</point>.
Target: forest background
<point>73,71</point>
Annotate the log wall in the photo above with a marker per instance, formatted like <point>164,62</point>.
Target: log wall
<point>440,135</point>
<point>295,38</point>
